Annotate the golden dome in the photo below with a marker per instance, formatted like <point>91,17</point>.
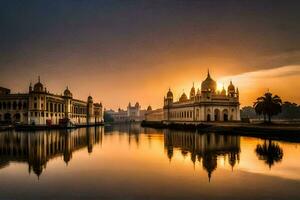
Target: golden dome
<point>67,92</point>
<point>170,94</point>
<point>183,98</point>
<point>192,92</point>
<point>223,92</point>
<point>38,87</point>
<point>208,84</point>
<point>231,87</point>
<point>149,108</point>
<point>90,99</point>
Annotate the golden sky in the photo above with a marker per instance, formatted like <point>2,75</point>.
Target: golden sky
<point>122,52</point>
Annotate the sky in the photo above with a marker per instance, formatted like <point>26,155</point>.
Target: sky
<point>128,51</point>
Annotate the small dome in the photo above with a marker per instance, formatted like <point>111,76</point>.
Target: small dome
<point>192,92</point>
<point>208,84</point>
<point>67,92</point>
<point>170,94</point>
<point>231,87</point>
<point>223,92</point>
<point>137,104</point>
<point>38,87</point>
<point>90,99</point>
<point>183,98</point>
<point>149,108</point>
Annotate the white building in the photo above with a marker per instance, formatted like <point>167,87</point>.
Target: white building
<point>207,104</point>
<point>132,114</point>
<point>40,107</point>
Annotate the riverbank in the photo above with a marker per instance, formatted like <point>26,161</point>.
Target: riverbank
<point>238,128</point>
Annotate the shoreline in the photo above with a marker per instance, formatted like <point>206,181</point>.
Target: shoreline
<point>278,131</point>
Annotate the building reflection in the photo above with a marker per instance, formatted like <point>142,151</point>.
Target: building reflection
<point>133,130</point>
<point>270,152</point>
<point>37,148</point>
<point>203,148</point>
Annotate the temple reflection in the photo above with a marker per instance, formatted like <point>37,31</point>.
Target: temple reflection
<point>37,148</point>
<point>270,152</point>
<point>203,148</point>
<point>132,130</point>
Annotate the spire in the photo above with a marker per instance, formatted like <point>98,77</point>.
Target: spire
<point>39,79</point>
<point>208,74</point>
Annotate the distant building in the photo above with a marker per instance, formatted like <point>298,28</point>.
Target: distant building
<point>207,104</point>
<point>40,107</point>
<point>154,115</point>
<point>132,114</point>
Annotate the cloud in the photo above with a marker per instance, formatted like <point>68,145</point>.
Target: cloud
<point>280,72</point>
<point>283,81</point>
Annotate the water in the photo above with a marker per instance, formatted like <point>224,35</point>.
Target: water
<point>130,162</point>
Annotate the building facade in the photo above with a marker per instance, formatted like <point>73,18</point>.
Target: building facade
<point>40,107</point>
<point>156,115</point>
<point>205,104</point>
<point>133,113</point>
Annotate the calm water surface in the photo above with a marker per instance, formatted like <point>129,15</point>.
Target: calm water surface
<point>130,162</point>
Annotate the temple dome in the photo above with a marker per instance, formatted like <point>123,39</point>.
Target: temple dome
<point>208,84</point>
<point>90,99</point>
<point>149,108</point>
<point>170,94</point>
<point>38,87</point>
<point>67,92</point>
<point>223,92</point>
<point>231,87</point>
<point>192,92</point>
<point>183,98</point>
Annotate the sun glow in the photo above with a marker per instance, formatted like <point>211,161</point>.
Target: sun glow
<point>219,86</point>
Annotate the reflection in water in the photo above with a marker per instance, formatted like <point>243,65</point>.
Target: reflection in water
<point>37,148</point>
<point>206,148</point>
<point>131,162</point>
<point>270,152</point>
<point>133,130</point>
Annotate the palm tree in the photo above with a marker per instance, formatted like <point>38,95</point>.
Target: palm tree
<point>268,106</point>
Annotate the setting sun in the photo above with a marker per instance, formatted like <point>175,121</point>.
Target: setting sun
<point>220,86</point>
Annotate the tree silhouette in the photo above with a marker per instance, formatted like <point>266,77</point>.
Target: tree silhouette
<point>268,106</point>
<point>269,152</point>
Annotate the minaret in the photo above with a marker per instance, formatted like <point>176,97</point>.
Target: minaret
<point>30,87</point>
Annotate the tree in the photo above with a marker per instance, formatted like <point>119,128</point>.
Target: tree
<point>108,118</point>
<point>268,106</point>
<point>269,152</point>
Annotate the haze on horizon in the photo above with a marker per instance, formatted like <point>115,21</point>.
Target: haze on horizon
<point>121,51</point>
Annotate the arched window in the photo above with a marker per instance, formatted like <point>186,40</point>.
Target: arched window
<point>24,105</point>
<point>20,105</point>
<point>208,118</point>
<point>8,105</point>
